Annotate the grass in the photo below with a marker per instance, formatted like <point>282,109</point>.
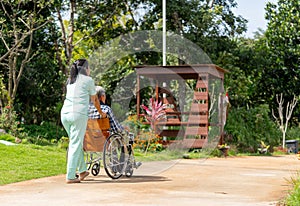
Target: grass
<point>25,162</point>
<point>293,198</point>
<point>172,154</point>
<point>157,156</point>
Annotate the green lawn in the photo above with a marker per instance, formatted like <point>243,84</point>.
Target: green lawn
<point>25,162</point>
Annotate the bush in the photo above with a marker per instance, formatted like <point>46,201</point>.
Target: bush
<point>45,131</point>
<point>63,143</point>
<point>248,127</point>
<point>9,122</point>
<point>135,125</point>
<point>37,141</point>
<point>293,133</point>
<point>7,137</point>
<point>148,141</point>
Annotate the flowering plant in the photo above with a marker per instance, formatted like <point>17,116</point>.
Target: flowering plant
<point>8,120</point>
<point>154,112</point>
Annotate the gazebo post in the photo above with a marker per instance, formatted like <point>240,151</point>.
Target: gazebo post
<point>138,98</point>
<point>156,89</point>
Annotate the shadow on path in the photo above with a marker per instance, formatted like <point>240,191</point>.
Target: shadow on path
<point>124,179</point>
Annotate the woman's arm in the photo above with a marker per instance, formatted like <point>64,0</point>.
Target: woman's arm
<point>96,102</point>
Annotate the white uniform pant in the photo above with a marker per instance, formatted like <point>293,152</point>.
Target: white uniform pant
<point>75,124</point>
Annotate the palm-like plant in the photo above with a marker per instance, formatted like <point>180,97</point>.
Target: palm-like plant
<point>155,112</point>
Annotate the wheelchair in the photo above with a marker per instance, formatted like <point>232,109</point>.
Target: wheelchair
<point>115,150</point>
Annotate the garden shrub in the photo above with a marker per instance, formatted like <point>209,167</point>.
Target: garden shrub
<point>7,137</point>
<point>9,122</point>
<point>37,141</point>
<point>248,127</point>
<point>293,133</point>
<point>148,141</point>
<point>63,143</point>
<point>145,139</point>
<point>44,131</point>
<point>135,125</point>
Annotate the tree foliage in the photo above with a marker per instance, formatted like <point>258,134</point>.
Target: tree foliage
<point>267,65</point>
<point>248,127</point>
<point>19,22</point>
<point>283,42</point>
<point>208,24</point>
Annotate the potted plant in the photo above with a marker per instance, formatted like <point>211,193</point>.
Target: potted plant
<point>224,149</point>
<point>263,149</point>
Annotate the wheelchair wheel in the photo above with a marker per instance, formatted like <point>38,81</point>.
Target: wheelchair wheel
<point>95,168</point>
<point>114,156</point>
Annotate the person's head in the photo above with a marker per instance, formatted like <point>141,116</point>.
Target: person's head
<point>80,66</point>
<point>100,91</point>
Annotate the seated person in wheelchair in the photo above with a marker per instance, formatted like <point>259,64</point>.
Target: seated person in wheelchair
<point>115,126</point>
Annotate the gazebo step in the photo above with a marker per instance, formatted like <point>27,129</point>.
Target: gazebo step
<point>187,143</point>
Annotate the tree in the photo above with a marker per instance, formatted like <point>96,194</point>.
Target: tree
<point>42,81</point>
<point>283,41</point>
<point>19,21</point>
<point>283,122</point>
<point>87,27</point>
<point>209,24</point>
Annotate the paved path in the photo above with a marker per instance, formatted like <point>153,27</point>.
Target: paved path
<point>232,181</point>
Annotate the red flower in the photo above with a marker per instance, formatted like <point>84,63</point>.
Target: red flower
<point>155,111</point>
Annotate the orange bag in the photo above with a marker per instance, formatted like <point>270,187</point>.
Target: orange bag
<point>104,123</point>
<point>94,138</point>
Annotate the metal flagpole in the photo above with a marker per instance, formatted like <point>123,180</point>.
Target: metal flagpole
<point>164,49</point>
<point>164,32</point>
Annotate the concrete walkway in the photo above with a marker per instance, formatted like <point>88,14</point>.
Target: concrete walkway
<point>232,181</point>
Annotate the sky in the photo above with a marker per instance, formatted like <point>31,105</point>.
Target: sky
<point>254,12</point>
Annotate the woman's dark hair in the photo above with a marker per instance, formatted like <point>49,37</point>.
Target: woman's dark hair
<point>78,67</point>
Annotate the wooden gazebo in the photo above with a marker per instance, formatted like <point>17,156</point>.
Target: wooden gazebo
<point>189,118</point>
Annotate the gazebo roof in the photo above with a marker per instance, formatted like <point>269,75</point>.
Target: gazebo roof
<point>180,71</point>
